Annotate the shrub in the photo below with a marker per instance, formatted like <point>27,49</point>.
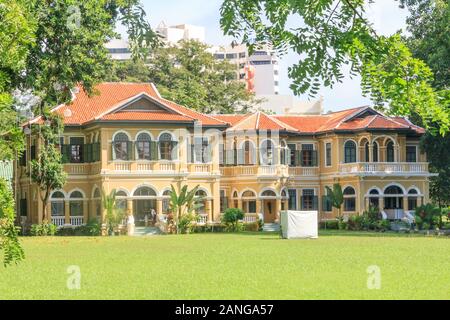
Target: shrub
<point>446,226</point>
<point>231,218</point>
<point>43,229</point>
<point>356,223</point>
<point>428,216</point>
<point>187,223</point>
<point>253,227</point>
<point>383,225</point>
<point>329,224</point>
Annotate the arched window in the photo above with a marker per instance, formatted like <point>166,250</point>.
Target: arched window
<point>412,199</point>
<point>374,198</point>
<point>350,152</point>
<point>200,200</point>
<point>145,192</point>
<point>249,201</point>
<point>235,199</point>
<point>57,204</point>
<point>143,142</point>
<point>349,199</point>
<point>121,144</point>
<point>390,154</point>
<point>268,154</point>
<point>268,193</point>
<point>76,204</point>
<point>393,190</point>
<point>121,201</point>
<point>167,147</point>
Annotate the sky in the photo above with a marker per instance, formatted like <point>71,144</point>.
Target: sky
<point>386,16</point>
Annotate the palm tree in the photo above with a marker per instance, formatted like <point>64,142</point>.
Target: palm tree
<point>114,216</point>
<point>337,197</point>
<point>183,203</point>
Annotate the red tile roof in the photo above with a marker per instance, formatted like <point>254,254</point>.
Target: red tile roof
<point>109,97</point>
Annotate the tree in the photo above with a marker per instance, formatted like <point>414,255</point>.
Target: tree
<point>9,242</point>
<point>330,34</point>
<point>336,197</point>
<point>47,170</point>
<point>429,26</point>
<point>231,218</point>
<point>189,75</point>
<point>182,203</point>
<point>114,216</point>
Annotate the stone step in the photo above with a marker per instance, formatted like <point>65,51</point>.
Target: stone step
<point>271,227</point>
<point>146,231</point>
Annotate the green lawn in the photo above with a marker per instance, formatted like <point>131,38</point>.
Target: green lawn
<point>230,266</point>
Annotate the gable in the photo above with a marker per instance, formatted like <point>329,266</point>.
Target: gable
<point>143,104</point>
<point>364,113</point>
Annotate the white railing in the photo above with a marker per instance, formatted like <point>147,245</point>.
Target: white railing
<point>144,167</point>
<point>202,219</point>
<point>267,170</point>
<point>76,168</point>
<point>384,168</point>
<point>76,221</point>
<point>58,221</point>
<point>167,167</point>
<point>201,168</point>
<point>250,218</point>
<point>122,166</point>
<point>303,171</point>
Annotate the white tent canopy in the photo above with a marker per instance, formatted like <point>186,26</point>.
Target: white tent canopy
<point>299,224</point>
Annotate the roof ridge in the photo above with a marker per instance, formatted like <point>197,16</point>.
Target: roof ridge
<point>281,123</point>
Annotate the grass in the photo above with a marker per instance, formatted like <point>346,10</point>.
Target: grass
<point>232,266</point>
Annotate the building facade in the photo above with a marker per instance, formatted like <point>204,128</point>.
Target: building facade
<point>130,139</point>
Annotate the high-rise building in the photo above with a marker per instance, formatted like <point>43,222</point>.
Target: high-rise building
<point>259,70</point>
<point>119,49</point>
<point>174,34</point>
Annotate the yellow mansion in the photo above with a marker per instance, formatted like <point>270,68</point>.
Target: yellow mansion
<point>129,138</point>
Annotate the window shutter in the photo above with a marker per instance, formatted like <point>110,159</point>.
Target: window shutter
<point>221,155</point>
<point>315,203</point>
<point>85,153</point>
<point>314,158</point>
<point>33,152</point>
<point>302,207</point>
<point>153,150</point>
<point>298,158</point>
<point>240,157</point>
<point>174,150</point>
<point>23,159</point>
<point>96,152</point>
<point>65,153</point>
<point>130,150</point>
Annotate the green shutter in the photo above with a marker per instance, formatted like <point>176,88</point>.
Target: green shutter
<point>113,153</point>
<point>298,158</point>
<point>153,150</point>
<point>23,159</point>
<point>130,150</point>
<point>65,153</point>
<point>96,152</point>
<point>314,158</point>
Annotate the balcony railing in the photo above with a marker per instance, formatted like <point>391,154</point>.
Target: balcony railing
<point>76,221</point>
<point>375,168</point>
<point>58,221</point>
<point>303,171</point>
<point>83,168</point>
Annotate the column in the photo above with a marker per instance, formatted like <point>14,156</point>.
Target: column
<point>381,203</point>
<point>67,211</point>
<point>258,206</point>
<point>159,207</point>
<point>370,152</point>
<point>405,203</point>
<point>129,207</point>
<point>85,211</point>
<point>208,210</point>
<point>277,210</point>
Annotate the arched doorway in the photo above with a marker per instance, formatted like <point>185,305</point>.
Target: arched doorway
<point>374,198</point>
<point>144,204</point>
<point>393,202</point>
<point>269,200</point>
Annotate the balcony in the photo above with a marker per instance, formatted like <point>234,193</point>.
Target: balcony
<point>384,168</point>
<point>83,168</point>
<point>256,171</point>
